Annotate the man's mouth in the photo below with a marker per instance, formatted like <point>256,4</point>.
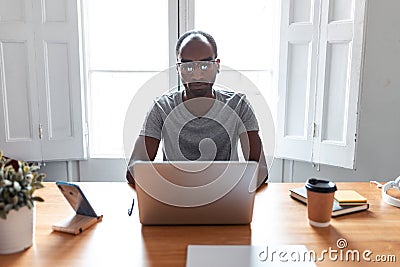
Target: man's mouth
<point>198,85</point>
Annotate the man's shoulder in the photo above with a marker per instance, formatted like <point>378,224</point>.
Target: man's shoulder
<point>228,96</point>
<point>168,97</point>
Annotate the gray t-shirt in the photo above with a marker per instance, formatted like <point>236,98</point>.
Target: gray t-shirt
<point>213,136</point>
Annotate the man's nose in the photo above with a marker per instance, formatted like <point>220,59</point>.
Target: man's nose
<point>197,74</point>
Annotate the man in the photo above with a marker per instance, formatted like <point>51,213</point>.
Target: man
<point>199,123</point>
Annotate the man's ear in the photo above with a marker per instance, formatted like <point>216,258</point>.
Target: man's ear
<point>218,62</point>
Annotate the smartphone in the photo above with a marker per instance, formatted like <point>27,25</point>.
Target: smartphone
<point>76,198</point>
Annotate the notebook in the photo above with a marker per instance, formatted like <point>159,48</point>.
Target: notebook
<point>349,197</point>
<point>195,193</point>
<point>300,194</point>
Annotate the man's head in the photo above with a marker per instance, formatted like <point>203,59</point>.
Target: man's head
<point>196,53</point>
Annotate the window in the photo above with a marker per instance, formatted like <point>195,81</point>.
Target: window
<point>319,80</point>
<point>246,38</point>
<point>127,43</point>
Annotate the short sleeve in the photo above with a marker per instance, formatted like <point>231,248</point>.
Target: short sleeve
<point>246,114</point>
<point>153,123</point>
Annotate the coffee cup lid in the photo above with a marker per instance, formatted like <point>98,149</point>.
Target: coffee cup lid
<point>320,186</point>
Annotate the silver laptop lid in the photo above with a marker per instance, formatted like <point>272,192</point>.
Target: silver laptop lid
<point>172,193</point>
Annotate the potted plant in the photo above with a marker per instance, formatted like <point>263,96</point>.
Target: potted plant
<point>18,181</point>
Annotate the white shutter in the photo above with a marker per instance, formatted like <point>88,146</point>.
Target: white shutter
<point>19,127</point>
<point>319,80</point>
<point>59,79</point>
<point>297,70</point>
<point>339,70</point>
<point>41,99</point>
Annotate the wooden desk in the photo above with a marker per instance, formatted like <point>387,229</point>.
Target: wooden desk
<point>120,240</point>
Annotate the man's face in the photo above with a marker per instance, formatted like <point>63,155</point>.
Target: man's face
<point>197,66</point>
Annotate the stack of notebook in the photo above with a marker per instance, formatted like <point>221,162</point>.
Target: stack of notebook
<point>346,201</point>
<point>349,198</point>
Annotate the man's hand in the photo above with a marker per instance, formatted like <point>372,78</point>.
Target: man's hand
<point>253,151</point>
<point>145,149</point>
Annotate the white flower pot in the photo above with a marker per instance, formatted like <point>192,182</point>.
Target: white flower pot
<point>16,232</point>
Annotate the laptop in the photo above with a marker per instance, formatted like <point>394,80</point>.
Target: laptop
<point>249,256</point>
<point>195,193</point>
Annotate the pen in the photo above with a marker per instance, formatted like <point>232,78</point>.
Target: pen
<point>131,209</point>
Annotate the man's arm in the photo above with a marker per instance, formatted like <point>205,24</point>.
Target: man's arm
<point>253,151</point>
<point>145,149</point>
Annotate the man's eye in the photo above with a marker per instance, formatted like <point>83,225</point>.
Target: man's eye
<point>203,66</point>
<point>189,68</point>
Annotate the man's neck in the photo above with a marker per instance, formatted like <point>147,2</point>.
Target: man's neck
<point>199,106</point>
<point>187,95</point>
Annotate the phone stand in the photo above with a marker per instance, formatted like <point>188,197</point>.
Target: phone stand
<point>76,224</point>
<point>84,217</point>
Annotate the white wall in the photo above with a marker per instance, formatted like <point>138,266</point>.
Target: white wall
<point>378,151</point>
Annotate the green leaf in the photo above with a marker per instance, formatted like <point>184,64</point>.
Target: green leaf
<point>17,186</point>
<point>8,207</point>
<point>39,199</point>
<point>34,168</point>
<point>6,194</point>
<point>14,200</point>
<point>3,214</point>
<point>37,185</point>
<point>40,178</point>
<point>29,203</point>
